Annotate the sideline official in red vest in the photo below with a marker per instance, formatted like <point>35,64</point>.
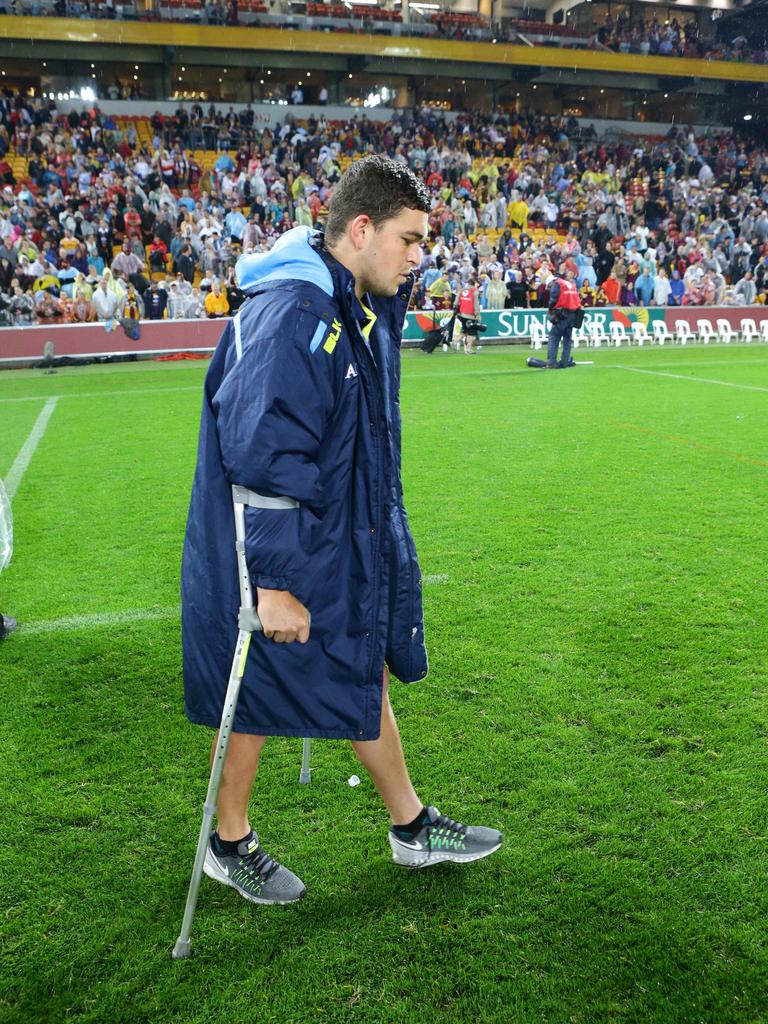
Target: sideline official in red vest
<point>564,314</point>
<point>468,308</point>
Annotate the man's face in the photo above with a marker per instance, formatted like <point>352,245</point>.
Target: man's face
<point>391,252</point>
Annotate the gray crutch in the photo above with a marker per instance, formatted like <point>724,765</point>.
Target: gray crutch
<point>248,623</point>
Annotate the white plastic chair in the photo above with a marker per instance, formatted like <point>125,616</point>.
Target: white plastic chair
<point>764,330</point>
<point>596,334</point>
<point>726,332</point>
<point>580,336</point>
<point>684,332</point>
<point>748,330</point>
<point>617,334</point>
<point>640,333</point>
<point>538,334</point>
<point>661,334</point>
<point>706,331</point>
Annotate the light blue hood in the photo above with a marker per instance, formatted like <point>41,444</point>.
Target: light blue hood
<point>291,258</point>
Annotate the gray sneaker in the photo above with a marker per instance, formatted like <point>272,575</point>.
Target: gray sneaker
<point>444,839</point>
<point>252,872</point>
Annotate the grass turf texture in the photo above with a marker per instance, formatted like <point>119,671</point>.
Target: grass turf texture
<point>593,548</point>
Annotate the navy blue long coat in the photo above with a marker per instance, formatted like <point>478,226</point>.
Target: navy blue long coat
<point>297,404</point>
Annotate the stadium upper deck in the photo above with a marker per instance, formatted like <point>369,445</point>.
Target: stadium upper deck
<point>349,60</point>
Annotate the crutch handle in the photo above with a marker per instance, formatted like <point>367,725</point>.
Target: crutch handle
<point>249,620</point>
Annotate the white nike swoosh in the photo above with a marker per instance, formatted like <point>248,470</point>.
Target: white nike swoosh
<point>221,866</point>
<point>412,845</point>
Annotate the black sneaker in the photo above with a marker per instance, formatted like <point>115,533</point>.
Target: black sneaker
<point>7,625</point>
<point>444,839</point>
<point>251,871</point>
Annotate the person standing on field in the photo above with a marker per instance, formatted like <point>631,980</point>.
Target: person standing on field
<point>301,409</point>
<point>564,308</point>
<point>468,309</point>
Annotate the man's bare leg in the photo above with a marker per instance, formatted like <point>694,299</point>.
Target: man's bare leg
<point>240,768</point>
<point>245,866</point>
<point>383,759</point>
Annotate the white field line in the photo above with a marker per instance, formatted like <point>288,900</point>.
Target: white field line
<point>697,362</point>
<point>108,394</point>
<point>695,380</point>
<point>108,619</point>
<point>515,350</point>
<point>75,622</point>
<point>24,457</point>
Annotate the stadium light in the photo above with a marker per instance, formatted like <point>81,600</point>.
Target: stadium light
<point>747,117</point>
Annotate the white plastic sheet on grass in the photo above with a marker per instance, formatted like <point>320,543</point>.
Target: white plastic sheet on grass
<point>6,528</point>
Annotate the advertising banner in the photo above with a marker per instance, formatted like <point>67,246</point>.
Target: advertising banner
<point>514,325</point>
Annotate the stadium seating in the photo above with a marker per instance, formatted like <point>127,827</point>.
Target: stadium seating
<point>538,333</point>
<point>706,331</point>
<point>618,334</point>
<point>580,336</point>
<point>684,332</point>
<point>596,334</point>
<point>748,330</point>
<point>725,332</point>
<point>661,333</point>
<point>640,333</point>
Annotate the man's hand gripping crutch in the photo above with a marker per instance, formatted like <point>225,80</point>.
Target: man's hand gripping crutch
<point>283,619</point>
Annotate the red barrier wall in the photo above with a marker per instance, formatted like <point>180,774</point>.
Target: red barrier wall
<point>26,344</point>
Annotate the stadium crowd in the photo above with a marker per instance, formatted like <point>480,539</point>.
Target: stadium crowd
<point>672,38</point>
<point>105,229</point>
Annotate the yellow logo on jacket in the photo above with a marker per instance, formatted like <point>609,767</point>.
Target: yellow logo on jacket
<point>333,336</point>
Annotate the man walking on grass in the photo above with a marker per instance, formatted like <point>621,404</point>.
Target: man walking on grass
<point>301,408</point>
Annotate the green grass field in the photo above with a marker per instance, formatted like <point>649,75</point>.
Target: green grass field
<point>594,553</point>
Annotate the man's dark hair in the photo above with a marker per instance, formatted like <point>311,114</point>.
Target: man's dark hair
<point>378,187</point>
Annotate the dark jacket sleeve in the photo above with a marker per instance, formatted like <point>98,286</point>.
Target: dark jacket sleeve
<point>554,295</point>
<point>271,411</point>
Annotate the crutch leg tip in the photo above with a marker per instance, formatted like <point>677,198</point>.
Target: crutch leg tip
<point>182,949</point>
<point>304,778</point>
